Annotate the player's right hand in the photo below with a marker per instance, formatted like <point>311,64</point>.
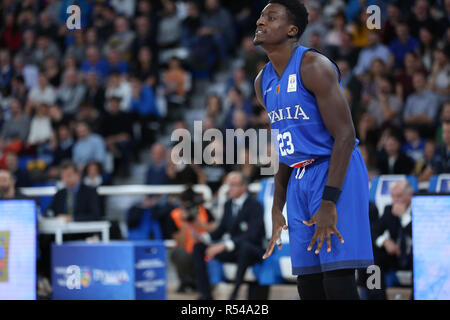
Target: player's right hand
<point>278,224</point>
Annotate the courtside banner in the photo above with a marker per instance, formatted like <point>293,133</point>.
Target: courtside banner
<point>109,271</point>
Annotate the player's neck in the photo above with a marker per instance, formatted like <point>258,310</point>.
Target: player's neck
<point>280,56</point>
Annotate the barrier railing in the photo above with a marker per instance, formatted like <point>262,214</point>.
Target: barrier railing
<point>126,190</point>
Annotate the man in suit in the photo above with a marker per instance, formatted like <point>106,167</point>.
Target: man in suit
<point>393,234</point>
<point>76,202</point>
<point>238,238</point>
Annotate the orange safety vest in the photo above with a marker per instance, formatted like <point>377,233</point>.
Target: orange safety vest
<point>189,241</point>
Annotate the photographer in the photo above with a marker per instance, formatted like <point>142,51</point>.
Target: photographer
<point>189,220</point>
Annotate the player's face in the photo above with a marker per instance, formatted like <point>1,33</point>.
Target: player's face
<point>273,25</point>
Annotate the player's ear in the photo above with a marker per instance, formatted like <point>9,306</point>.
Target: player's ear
<point>293,31</point>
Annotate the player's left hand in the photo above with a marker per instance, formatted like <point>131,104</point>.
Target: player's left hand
<point>325,220</point>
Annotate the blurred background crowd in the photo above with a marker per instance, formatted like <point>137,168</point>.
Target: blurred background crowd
<point>108,96</point>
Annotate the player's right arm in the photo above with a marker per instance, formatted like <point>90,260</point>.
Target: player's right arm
<point>279,197</point>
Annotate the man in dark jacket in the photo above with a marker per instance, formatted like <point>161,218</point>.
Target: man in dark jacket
<point>238,238</point>
<point>76,202</point>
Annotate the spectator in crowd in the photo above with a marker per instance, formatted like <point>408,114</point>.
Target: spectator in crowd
<point>117,129</point>
<point>369,159</point>
<point>243,222</point>
<point>391,160</point>
<point>27,48</point>
<point>118,86</point>
<point>214,109</point>
<point>52,71</point>
<point>346,51</point>
<point>94,63</point>
<point>333,38</point>
<point>241,81</point>
<point>358,28</point>
<point>393,234</point>
<point>213,166</point>
<point>189,220</point>
<point>76,201</point>
<point>420,17</point>
<point>142,222</point>
<point>71,93</point>
<point>374,50</point>
<point>11,36</point>
<point>393,17</point>
<point>145,68</point>
<point>8,187</point>
<point>156,172</point>
<point>414,147</point>
<point>45,46</point>
<point>29,72</point>
<point>315,24</point>
<point>422,106</point>
<point>169,31</point>
<point>184,173</point>
<point>40,127</point>
<point>103,16</point>
<point>445,116</point>
<point>236,101</point>
<point>20,176</point>
<point>88,147</point>
<point>145,110</point>
<point>6,69</point>
<point>116,63</point>
<point>402,43</point>
<point>385,107</point>
<point>122,37</point>
<point>42,93</point>
<point>95,93</point>
<point>439,79</point>
<point>247,164</point>
<point>177,83</point>
<point>144,36</point>
<point>404,79</point>
<point>426,47</point>
<point>421,166</point>
<point>441,159</point>
<point>93,177</point>
<point>63,147</point>
<point>217,24</point>
<point>17,126</point>
<point>77,48</point>
<point>19,90</point>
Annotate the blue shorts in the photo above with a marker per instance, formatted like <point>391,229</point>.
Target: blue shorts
<point>303,198</point>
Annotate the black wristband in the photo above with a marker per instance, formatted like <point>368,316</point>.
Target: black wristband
<point>331,194</point>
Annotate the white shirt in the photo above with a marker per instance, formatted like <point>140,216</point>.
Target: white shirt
<point>239,202</point>
<point>405,219</point>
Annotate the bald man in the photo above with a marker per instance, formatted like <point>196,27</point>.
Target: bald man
<point>393,233</point>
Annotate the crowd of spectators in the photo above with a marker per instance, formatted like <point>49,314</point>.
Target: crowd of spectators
<point>101,94</point>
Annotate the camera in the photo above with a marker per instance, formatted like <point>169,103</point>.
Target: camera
<point>191,201</point>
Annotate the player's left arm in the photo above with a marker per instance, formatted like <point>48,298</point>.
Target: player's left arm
<point>321,78</point>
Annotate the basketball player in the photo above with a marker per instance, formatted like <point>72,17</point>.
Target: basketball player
<point>322,177</point>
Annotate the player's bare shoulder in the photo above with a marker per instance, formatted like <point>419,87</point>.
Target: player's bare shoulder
<point>317,70</point>
<point>257,84</point>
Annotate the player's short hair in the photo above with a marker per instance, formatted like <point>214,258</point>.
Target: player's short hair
<point>297,13</point>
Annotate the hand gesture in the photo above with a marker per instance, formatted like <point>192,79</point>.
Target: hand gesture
<point>325,220</point>
<point>278,224</point>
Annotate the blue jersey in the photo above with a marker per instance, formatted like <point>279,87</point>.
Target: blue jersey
<point>300,133</point>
